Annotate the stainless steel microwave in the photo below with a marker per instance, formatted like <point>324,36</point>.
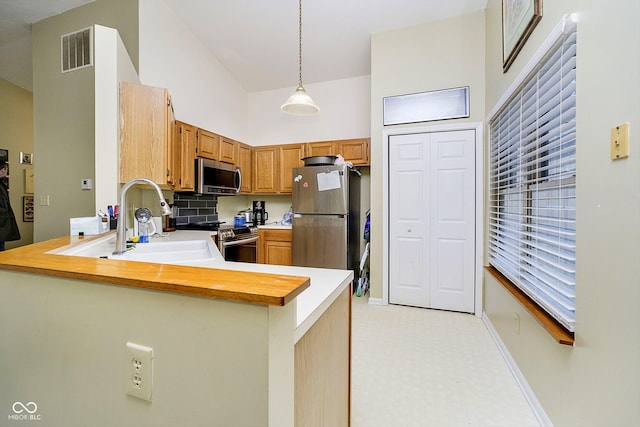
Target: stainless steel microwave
<point>214,177</point>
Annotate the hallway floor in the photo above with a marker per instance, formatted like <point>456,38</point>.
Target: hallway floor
<point>418,367</point>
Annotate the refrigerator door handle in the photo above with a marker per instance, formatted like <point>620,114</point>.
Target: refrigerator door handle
<point>295,215</point>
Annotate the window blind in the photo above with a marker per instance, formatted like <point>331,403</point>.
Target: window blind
<point>532,183</point>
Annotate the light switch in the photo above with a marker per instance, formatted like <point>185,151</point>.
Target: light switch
<point>44,200</point>
<point>86,184</point>
<point>620,141</point>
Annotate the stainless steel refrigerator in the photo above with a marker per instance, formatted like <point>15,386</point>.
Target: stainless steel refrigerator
<point>326,217</point>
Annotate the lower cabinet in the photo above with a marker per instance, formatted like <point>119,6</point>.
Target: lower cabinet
<point>274,246</point>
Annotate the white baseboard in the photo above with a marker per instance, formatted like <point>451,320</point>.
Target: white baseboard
<point>536,407</point>
<point>377,301</point>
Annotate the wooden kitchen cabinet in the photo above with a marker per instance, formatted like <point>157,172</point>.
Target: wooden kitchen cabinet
<point>290,156</point>
<point>207,144</point>
<point>245,162</point>
<point>356,151</point>
<point>323,148</point>
<point>227,151</point>
<point>186,148</point>
<point>273,166</point>
<point>147,134</point>
<point>265,167</point>
<point>274,246</point>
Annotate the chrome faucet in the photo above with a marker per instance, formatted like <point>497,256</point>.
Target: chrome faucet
<point>121,238</point>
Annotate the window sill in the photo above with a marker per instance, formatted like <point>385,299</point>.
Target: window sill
<point>557,331</point>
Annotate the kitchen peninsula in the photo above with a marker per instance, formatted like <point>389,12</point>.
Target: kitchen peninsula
<point>233,343</point>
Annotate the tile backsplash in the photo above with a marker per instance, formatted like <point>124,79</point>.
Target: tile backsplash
<point>195,208</point>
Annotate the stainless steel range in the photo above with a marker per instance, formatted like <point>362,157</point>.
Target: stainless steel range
<point>238,244</point>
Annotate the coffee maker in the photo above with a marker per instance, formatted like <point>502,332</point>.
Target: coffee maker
<point>260,215</point>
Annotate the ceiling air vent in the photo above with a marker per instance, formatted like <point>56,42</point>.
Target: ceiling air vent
<point>77,50</point>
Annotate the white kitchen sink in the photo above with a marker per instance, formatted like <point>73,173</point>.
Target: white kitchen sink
<point>168,251</point>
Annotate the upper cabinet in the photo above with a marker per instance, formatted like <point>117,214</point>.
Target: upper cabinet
<point>147,130</point>
<point>265,168</point>
<point>245,162</point>
<point>323,148</point>
<point>356,151</point>
<point>216,147</point>
<point>207,144</point>
<point>154,146</point>
<point>228,150</point>
<point>289,157</point>
<point>186,153</point>
<point>273,164</point>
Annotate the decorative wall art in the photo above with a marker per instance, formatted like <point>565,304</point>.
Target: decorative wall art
<point>27,208</point>
<point>26,158</point>
<point>28,180</point>
<point>519,18</point>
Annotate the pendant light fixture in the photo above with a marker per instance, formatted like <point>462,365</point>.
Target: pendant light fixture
<point>300,103</point>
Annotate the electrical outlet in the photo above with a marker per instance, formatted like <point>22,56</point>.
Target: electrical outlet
<point>139,371</point>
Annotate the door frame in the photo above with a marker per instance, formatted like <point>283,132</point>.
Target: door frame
<point>479,209</point>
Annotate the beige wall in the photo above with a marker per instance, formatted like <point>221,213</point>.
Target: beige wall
<point>344,113</point>
<point>204,93</point>
<point>594,383</point>
<point>64,130</point>
<point>426,57</point>
<point>16,135</point>
<point>64,341</point>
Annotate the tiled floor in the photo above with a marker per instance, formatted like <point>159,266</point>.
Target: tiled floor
<point>418,367</point>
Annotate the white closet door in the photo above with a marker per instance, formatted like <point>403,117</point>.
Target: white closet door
<point>409,243</point>
<point>432,214</point>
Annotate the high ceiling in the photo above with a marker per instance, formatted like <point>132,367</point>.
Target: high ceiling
<point>256,40</point>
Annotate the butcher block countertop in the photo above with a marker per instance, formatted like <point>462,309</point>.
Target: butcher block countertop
<point>214,281</point>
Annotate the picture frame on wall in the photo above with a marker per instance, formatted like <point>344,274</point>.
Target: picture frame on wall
<point>27,208</point>
<point>519,18</point>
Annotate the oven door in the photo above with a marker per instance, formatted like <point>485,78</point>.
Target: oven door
<point>241,250</point>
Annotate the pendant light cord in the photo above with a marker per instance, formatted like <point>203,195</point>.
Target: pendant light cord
<point>300,44</point>
<point>300,103</point>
